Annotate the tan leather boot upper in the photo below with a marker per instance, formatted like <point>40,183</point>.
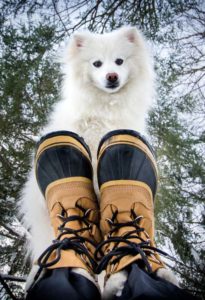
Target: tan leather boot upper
<point>74,217</point>
<point>130,204</point>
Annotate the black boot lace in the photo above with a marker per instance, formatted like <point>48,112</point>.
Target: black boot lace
<point>143,248</point>
<point>76,242</point>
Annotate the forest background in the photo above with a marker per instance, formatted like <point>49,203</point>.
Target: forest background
<point>30,32</point>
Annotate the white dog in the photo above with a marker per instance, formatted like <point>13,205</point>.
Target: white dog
<point>108,84</point>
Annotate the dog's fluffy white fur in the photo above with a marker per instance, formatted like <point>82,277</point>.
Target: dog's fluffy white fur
<point>92,106</point>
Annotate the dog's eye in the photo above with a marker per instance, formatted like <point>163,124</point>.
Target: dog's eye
<point>119,61</point>
<point>97,63</point>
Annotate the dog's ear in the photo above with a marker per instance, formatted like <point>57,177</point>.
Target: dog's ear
<point>131,34</point>
<point>78,40</point>
<point>76,44</point>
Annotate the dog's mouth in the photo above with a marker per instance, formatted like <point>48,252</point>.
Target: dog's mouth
<point>113,85</point>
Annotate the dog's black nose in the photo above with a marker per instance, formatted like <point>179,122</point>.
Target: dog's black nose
<point>112,77</point>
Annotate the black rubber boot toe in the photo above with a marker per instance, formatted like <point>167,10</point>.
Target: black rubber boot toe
<point>126,155</point>
<point>61,154</point>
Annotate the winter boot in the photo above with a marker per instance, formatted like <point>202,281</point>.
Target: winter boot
<point>64,175</point>
<point>127,177</point>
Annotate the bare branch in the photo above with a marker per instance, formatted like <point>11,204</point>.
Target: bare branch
<point>59,15</point>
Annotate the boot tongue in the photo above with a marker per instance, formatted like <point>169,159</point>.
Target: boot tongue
<point>123,221</point>
<point>76,225</point>
<point>59,214</point>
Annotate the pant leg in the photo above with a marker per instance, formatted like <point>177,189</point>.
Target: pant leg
<point>141,286</point>
<point>63,284</point>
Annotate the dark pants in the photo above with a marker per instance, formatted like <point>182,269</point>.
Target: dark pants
<point>62,284</point>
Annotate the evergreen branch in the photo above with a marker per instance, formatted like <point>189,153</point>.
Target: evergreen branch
<point>10,230</point>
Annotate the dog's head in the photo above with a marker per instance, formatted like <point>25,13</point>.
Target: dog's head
<point>107,61</point>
